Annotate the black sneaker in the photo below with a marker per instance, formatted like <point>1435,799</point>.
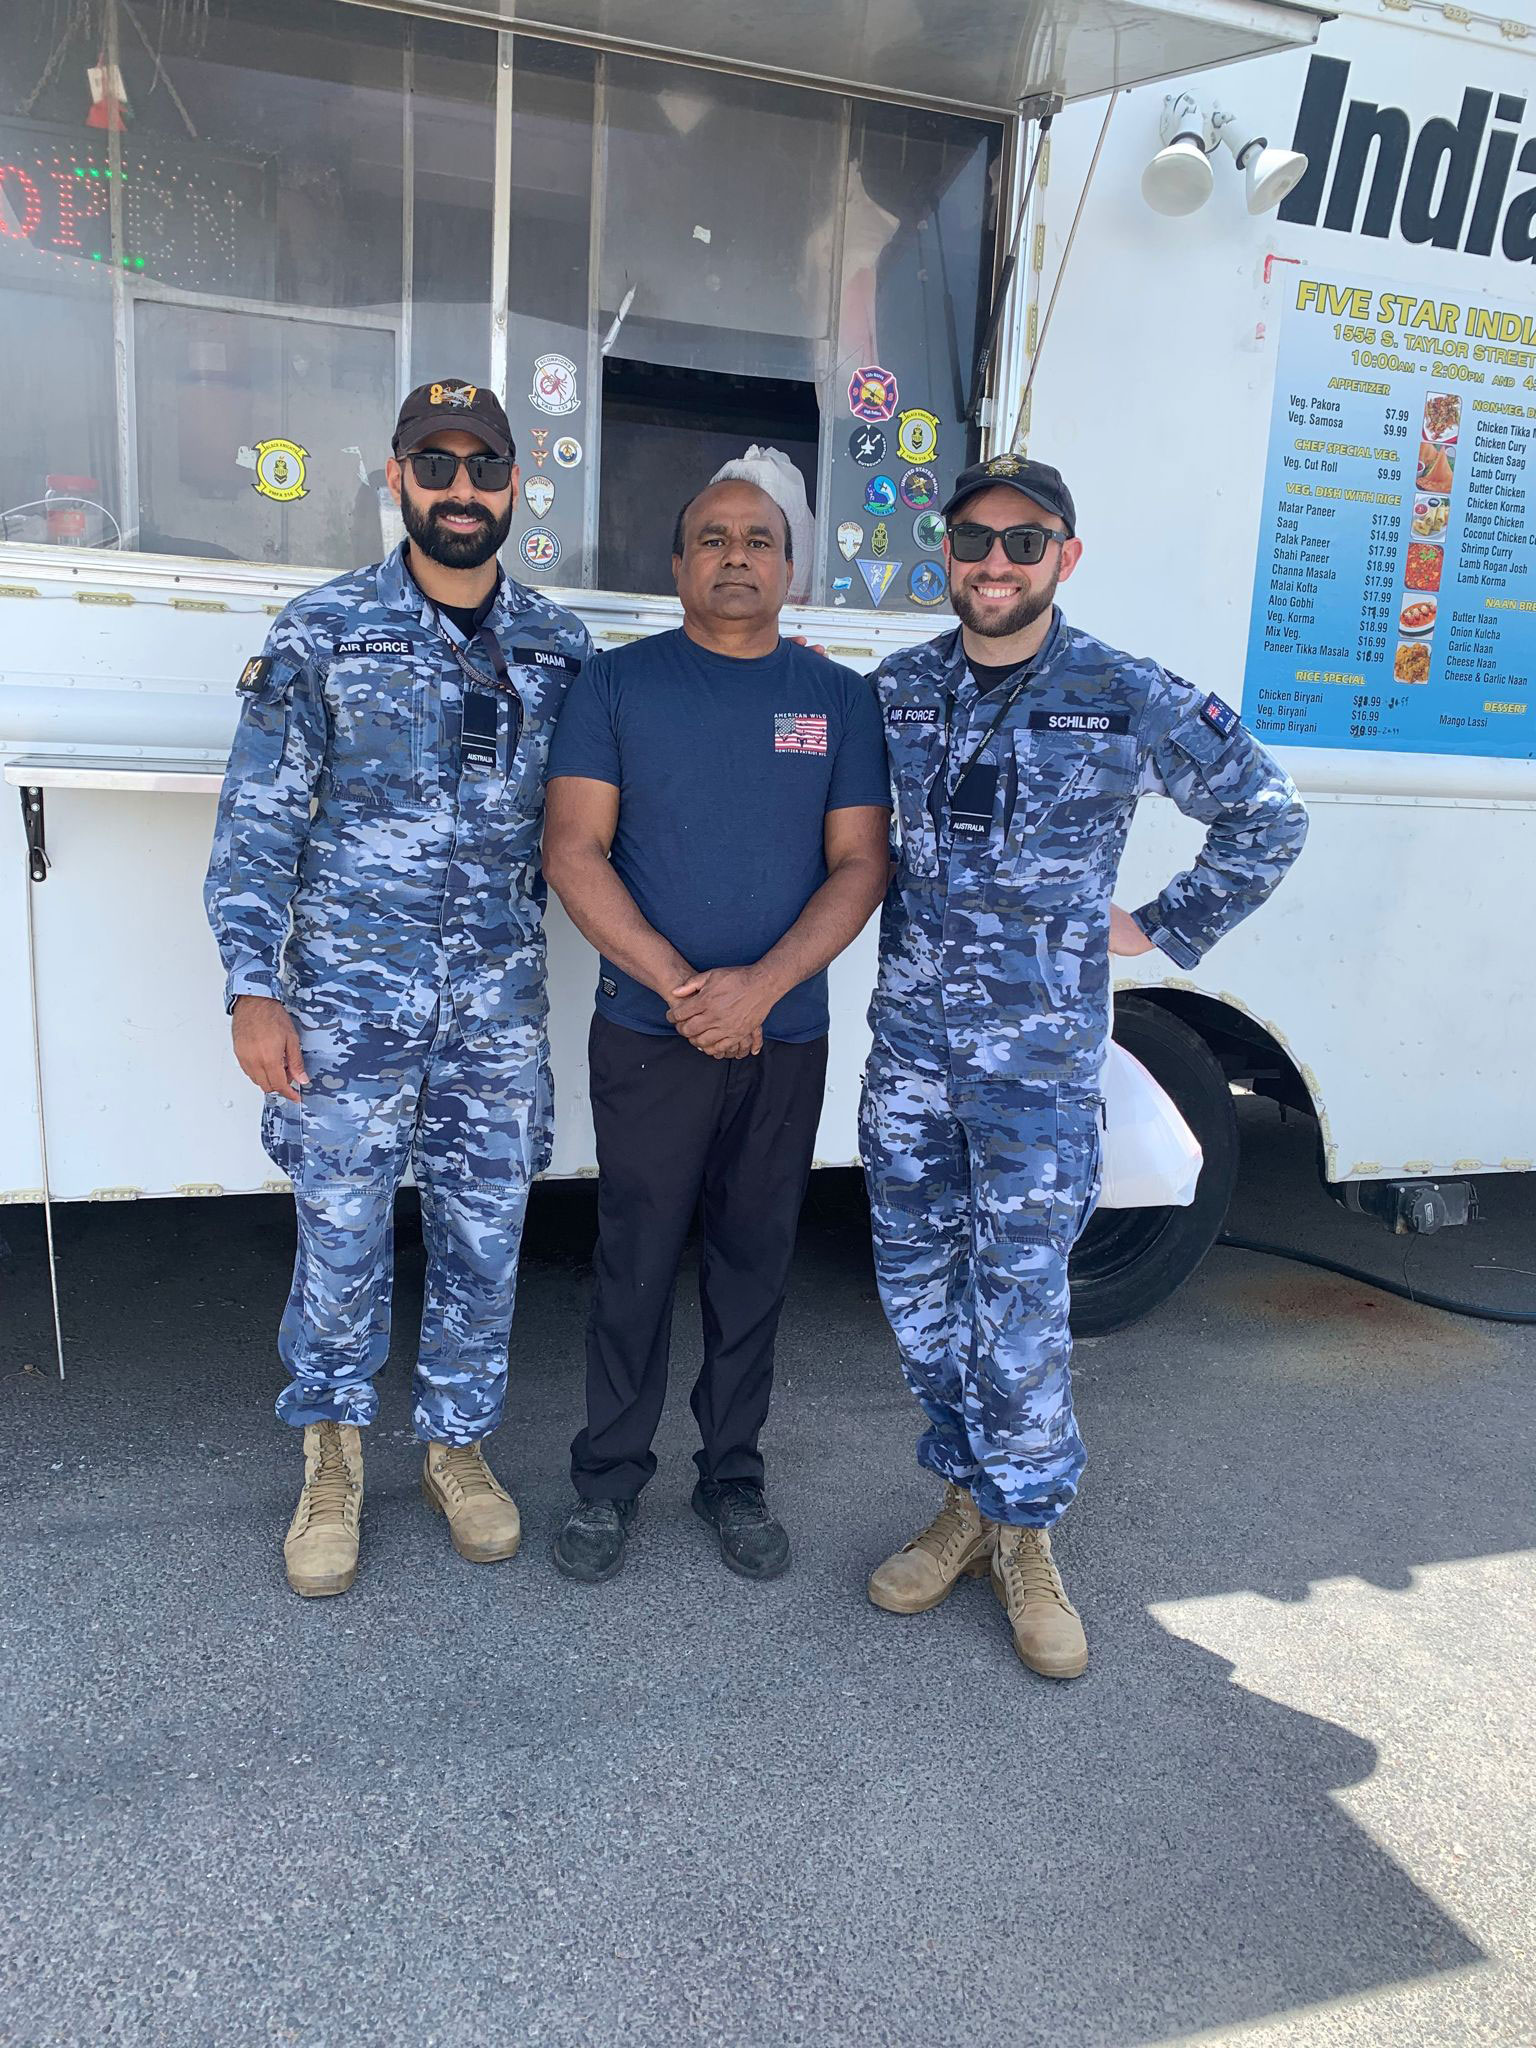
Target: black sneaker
<point>590,1545</point>
<point>751,1541</point>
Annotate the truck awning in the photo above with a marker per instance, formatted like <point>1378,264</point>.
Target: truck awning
<point>983,56</point>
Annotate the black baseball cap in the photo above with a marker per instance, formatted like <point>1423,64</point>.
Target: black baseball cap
<point>451,402</point>
<point>1036,480</point>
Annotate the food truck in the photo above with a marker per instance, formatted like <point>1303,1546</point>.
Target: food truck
<point>1257,277</point>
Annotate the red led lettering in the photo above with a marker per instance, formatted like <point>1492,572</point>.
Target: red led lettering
<point>32,205</point>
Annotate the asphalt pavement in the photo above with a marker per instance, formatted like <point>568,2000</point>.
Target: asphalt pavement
<point>1291,1802</point>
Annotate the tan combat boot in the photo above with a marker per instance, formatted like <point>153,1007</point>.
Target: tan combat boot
<point>482,1516</point>
<point>320,1550</point>
<point>1047,1631</point>
<point>956,1543</point>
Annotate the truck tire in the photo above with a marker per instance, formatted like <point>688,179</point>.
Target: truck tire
<point>1128,1261</point>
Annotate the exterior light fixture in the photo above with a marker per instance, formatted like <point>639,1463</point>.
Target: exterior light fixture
<point>1179,178</point>
<point>1268,174</point>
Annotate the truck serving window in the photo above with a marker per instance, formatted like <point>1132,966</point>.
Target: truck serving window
<point>230,241</point>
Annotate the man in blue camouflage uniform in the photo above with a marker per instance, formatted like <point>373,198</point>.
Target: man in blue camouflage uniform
<point>376,893</point>
<point>1018,749</point>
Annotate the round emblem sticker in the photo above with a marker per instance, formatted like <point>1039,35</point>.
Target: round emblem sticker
<point>919,489</point>
<point>867,447</point>
<point>850,538</point>
<point>927,583</point>
<point>554,385</point>
<point>919,436</point>
<point>880,495</point>
<point>928,530</point>
<point>539,548</point>
<point>872,394</point>
<point>280,470</point>
<point>567,452</point>
<point>538,496</point>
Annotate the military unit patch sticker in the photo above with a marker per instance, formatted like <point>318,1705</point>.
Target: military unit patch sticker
<point>539,548</point>
<point>919,436</point>
<point>254,674</point>
<point>867,447</point>
<point>880,495</point>
<point>554,385</point>
<point>280,468</point>
<point>927,583</point>
<point>539,496</point>
<point>850,538</point>
<point>878,577</point>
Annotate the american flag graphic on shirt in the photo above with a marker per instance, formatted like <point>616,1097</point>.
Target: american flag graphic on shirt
<point>799,732</point>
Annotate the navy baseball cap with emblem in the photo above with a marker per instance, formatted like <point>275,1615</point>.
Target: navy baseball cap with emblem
<point>1036,480</point>
<point>451,402</point>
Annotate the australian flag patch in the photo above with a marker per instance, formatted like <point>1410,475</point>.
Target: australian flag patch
<point>1219,717</point>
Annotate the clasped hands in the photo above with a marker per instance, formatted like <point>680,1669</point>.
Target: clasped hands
<point>722,1011</point>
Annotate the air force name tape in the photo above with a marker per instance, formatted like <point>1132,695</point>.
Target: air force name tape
<point>546,657</point>
<point>1080,721</point>
<point>346,650</point>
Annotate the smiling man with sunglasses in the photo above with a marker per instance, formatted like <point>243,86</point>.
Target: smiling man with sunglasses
<point>377,896</point>
<point>1018,748</point>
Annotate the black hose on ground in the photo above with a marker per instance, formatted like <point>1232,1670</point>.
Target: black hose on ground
<point>1401,1289</point>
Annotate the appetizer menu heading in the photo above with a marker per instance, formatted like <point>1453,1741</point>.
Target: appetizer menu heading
<point>1394,602</point>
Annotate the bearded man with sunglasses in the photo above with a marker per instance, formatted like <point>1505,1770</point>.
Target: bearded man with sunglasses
<point>377,897</point>
<point>1018,749</point>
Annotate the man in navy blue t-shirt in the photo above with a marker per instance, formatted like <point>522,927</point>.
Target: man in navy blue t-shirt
<point>717,827</point>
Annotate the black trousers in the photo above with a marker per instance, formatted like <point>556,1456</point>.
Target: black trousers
<point>677,1130</point>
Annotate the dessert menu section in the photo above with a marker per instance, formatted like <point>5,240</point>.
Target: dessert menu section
<point>1394,601</point>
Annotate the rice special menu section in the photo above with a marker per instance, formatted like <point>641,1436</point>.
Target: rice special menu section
<point>1394,602</point>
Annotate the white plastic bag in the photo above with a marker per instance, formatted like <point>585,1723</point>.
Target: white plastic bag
<point>772,471</point>
<point>1152,1158</point>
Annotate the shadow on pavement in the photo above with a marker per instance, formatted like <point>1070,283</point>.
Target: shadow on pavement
<point>468,1804</point>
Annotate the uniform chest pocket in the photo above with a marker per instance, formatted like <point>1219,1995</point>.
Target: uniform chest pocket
<point>383,739</point>
<point>1074,791</point>
<point>917,757</point>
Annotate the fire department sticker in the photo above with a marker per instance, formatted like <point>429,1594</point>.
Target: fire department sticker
<point>280,470</point>
<point>872,394</point>
<point>554,385</point>
<point>538,496</point>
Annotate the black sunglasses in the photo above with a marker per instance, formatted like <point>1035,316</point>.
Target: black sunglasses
<point>435,469</point>
<point>1022,544</point>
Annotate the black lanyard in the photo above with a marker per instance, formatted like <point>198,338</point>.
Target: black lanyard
<point>479,720</point>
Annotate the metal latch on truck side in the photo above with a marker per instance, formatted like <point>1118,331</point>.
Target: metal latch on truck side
<point>1408,1206</point>
<point>32,822</point>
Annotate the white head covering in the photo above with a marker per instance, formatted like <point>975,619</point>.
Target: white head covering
<point>772,471</point>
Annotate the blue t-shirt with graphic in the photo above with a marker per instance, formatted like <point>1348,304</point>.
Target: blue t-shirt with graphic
<point>726,770</point>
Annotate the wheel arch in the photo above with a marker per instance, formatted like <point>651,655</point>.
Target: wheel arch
<point>1251,1049</point>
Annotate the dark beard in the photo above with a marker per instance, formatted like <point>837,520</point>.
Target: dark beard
<point>1029,608</point>
<point>454,550</point>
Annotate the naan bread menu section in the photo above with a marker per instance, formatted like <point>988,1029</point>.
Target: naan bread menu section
<point>1394,599</point>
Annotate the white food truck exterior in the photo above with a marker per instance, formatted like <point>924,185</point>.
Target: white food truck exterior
<point>1220,391</point>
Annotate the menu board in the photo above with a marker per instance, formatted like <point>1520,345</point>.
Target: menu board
<point>1394,601</point>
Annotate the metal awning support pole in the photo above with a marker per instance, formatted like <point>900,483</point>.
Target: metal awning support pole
<point>1034,362</point>
<point>37,873</point>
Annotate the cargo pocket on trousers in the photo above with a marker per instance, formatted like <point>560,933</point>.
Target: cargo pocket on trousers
<point>282,1134</point>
